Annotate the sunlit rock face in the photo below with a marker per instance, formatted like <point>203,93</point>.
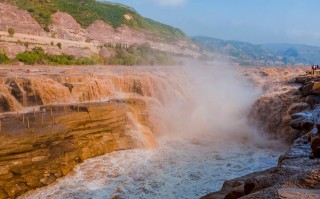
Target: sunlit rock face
<point>52,123</point>
<point>20,20</point>
<point>36,149</point>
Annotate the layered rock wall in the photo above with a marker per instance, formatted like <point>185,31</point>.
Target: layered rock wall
<point>53,119</point>
<point>41,147</point>
<point>49,124</point>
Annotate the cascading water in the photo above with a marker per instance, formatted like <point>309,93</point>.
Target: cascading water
<point>176,169</point>
<point>200,116</point>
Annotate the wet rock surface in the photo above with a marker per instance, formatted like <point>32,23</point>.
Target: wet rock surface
<point>40,148</point>
<point>298,172</point>
<point>52,120</point>
<point>295,171</point>
<point>271,113</point>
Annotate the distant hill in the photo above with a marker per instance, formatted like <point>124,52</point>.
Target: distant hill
<point>268,54</point>
<point>88,11</point>
<point>301,52</point>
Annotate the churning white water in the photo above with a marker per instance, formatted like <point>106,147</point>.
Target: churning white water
<point>205,140</point>
<point>177,169</point>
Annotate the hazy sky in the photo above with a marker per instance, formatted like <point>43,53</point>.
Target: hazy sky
<point>256,21</point>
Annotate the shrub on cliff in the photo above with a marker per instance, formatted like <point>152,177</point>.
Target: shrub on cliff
<point>38,56</point>
<point>4,58</point>
<point>29,57</point>
<point>11,32</point>
<point>139,55</point>
<point>59,45</point>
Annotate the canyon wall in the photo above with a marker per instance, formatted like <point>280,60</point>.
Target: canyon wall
<point>51,122</point>
<point>36,149</point>
<point>271,112</point>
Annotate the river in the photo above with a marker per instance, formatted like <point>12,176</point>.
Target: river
<point>178,168</point>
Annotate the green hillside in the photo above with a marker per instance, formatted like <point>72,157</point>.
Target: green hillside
<point>88,11</point>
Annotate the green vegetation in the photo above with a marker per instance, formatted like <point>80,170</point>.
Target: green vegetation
<point>38,56</point>
<point>11,32</point>
<point>139,55</point>
<point>88,11</point>
<point>123,55</point>
<point>4,58</point>
<point>59,45</point>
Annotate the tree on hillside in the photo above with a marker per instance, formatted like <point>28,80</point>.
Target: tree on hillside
<point>11,32</point>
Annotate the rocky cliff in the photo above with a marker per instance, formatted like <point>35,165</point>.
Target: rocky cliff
<point>41,147</point>
<point>297,174</point>
<point>49,124</point>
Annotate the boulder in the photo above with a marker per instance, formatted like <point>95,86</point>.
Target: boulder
<point>315,146</point>
<point>235,194</point>
<point>296,123</point>
<point>310,88</point>
<point>302,121</point>
<point>315,88</point>
<point>307,125</point>
<point>298,107</point>
<point>313,100</point>
<point>303,115</point>
<point>298,193</point>
<point>306,89</point>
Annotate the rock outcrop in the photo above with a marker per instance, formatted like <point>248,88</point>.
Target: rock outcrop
<point>41,147</point>
<point>66,27</point>
<point>297,174</point>
<point>271,113</point>
<point>20,20</point>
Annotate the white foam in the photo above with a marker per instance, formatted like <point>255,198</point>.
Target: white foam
<point>177,169</point>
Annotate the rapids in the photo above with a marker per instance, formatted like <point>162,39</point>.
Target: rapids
<point>179,168</point>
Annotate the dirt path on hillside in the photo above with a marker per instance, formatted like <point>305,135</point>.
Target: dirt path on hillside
<point>46,41</point>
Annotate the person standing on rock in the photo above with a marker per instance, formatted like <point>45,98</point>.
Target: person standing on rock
<point>313,67</point>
